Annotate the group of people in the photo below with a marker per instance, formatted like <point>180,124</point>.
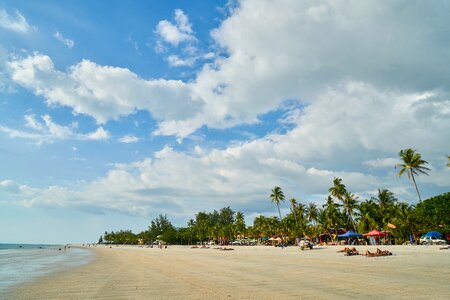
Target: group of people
<point>353,251</point>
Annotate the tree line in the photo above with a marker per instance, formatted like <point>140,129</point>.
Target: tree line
<point>342,210</point>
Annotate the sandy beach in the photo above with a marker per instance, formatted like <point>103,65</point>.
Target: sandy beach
<point>258,272</point>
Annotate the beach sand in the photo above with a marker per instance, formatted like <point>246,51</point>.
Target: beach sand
<point>258,272</point>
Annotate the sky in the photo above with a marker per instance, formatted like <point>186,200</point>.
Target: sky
<point>113,112</point>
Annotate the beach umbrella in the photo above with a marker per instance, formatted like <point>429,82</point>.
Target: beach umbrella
<point>434,234</point>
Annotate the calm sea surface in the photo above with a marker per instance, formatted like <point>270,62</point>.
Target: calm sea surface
<point>20,263</point>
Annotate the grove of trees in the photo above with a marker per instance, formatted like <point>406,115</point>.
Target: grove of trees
<point>342,210</point>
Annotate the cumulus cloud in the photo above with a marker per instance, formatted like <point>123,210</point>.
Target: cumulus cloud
<point>382,162</point>
<point>16,23</point>
<point>172,35</point>
<point>333,136</point>
<point>371,80</point>
<point>178,32</point>
<point>98,135</point>
<point>103,92</point>
<point>128,139</point>
<point>266,63</point>
<point>46,130</point>
<point>66,41</point>
<point>176,61</point>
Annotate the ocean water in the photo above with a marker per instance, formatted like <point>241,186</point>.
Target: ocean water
<point>21,263</point>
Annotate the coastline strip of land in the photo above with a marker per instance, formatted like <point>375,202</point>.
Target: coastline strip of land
<point>259,272</point>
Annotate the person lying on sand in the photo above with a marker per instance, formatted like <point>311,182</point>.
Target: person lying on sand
<point>226,249</point>
<point>378,253</point>
<point>349,251</point>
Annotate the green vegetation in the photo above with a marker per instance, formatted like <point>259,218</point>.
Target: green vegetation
<point>342,210</point>
<point>381,212</point>
<point>433,214</point>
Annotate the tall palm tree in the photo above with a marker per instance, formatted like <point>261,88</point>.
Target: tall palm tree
<point>366,216</point>
<point>386,201</point>
<point>412,164</point>
<point>311,212</point>
<point>350,202</point>
<point>338,189</point>
<point>276,197</point>
<point>239,223</point>
<point>332,214</point>
<point>293,209</point>
<point>405,219</point>
<point>448,164</point>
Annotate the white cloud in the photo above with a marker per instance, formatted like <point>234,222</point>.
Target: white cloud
<point>9,186</point>
<point>177,33</point>
<point>104,92</point>
<point>128,139</point>
<point>173,34</point>
<point>47,131</point>
<point>176,61</point>
<point>66,41</point>
<point>16,23</point>
<point>362,100</point>
<point>273,54</point>
<point>97,135</point>
<point>334,136</point>
<point>389,162</point>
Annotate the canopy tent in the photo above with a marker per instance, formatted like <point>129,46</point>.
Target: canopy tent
<point>349,234</point>
<point>434,234</point>
<point>376,233</point>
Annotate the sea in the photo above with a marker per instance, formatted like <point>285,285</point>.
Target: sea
<point>20,263</point>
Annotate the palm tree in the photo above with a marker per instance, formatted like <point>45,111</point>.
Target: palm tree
<point>350,202</point>
<point>293,209</point>
<point>332,214</point>
<point>239,223</point>
<point>311,212</point>
<point>276,197</point>
<point>412,164</point>
<point>404,218</point>
<point>386,201</point>
<point>338,189</point>
<point>448,164</point>
<point>366,216</point>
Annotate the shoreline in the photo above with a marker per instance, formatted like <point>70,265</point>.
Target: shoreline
<point>248,272</point>
<point>42,264</point>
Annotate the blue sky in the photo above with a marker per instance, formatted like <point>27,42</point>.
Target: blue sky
<point>112,113</point>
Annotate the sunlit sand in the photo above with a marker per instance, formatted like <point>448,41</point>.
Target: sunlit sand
<point>258,272</point>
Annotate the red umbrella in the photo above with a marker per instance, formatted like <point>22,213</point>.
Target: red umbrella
<point>375,233</point>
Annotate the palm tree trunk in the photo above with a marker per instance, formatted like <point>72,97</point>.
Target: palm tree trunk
<point>415,185</point>
<point>279,211</point>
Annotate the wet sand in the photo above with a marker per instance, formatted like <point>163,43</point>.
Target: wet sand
<point>258,272</point>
